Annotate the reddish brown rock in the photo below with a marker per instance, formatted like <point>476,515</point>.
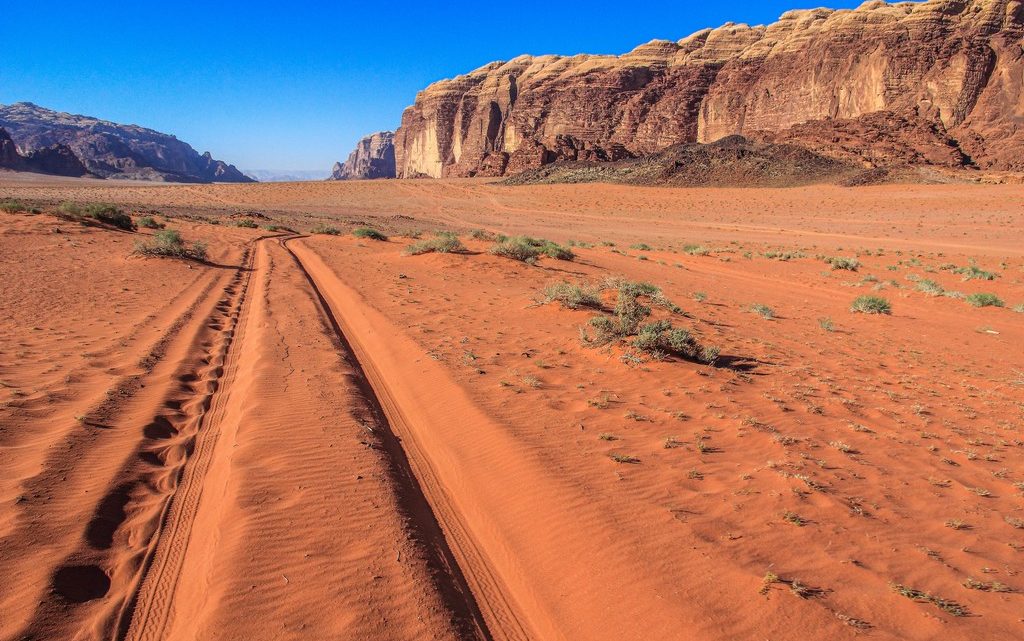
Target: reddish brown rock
<point>373,157</point>
<point>953,68</point>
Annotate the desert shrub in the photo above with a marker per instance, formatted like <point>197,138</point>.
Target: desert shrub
<point>168,243</point>
<point>517,249</point>
<point>367,232</point>
<point>871,305</point>
<point>783,256</point>
<point>572,296</point>
<point>1019,308</point>
<point>763,311</point>
<point>482,234</point>
<point>246,223</point>
<point>528,250</point>
<point>325,230</point>
<point>930,287</point>
<point>696,250</point>
<point>985,300</point>
<point>644,247</point>
<point>973,272</point>
<point>843,262</point>
<point>556,251</point>
<point>107,214</point>
<point>442,243</point>
<point>12,206</point>
<point>826,324</point>
<point>149,222</point>
<point>628,321</point>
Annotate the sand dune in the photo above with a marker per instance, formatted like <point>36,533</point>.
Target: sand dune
<point>323,437</point>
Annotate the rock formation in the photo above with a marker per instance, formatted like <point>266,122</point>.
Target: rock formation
<point>946,73</point>
<point>112,150</point>
<point>57,160</point>
<point>373,157</point>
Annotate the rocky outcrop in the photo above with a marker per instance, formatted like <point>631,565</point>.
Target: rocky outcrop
<point>57,160</point>
<point>373,157</point>
<point>954,68</point>
<point>110,150</point>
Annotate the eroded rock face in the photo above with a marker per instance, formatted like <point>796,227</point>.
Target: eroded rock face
<point>110,150</point>
<point>373,157</point>
<point>58,160</point>
<point>950,67</point>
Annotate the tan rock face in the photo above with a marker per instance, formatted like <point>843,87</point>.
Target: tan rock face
<point>373,157</point>
<point>953,68</point>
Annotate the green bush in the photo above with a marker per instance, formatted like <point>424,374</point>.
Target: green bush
<point>572,296</point>
<point>12,206</point>
<point>985,300</point>
<point>367,232</point>
<point>528,250</point>
<point>246,223</point>
<point>973,272</point>
<point>842,262</point>
<point>763,311</point>
<point>442,243</point>
<point>168,243</point>
<point>930,287</point>
<point>516,249</point>
<point>696,250</point>
<point>325,230</point>
<point>150,223</point>
<point>657,339</point>
<point>871,305</point>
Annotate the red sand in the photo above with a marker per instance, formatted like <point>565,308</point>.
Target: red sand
<point>323,437</point>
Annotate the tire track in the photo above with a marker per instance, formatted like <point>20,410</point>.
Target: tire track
<point>145,612</point>
<point>469,588</point>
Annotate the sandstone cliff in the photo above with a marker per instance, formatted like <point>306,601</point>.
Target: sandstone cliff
<point>57,160</point>
<point>111,150</point>
<point>949,73</point>
<point>373,157</point>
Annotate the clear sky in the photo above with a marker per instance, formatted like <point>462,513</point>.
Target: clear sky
<point>293,85</point>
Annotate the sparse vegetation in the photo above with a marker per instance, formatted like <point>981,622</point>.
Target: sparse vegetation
<point>930,287</point>
<point>763,311</point>
<point>572,296</point>
<point>871,305</point>
<point>148,222</point>
<point>973,272</point>
<point>168,243</point>
<point>442,243</point>
<point>843,262</point>
<point>951,607</point>
<point>325,230</point>
<point>984,300</point>
<point>107,214</point>
<point>696,250</point>
<point>656,339</point>
<point>368,232</point>
<point>826,324</point>
<point>528,250</point>
<point>246,223</point>
<point>12,206</point>
<point>624,458</point>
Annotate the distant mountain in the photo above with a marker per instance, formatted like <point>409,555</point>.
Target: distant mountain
<point>373,157</point>
<point>286,175</point>
<point>57,160</point>
<point>111,150</point>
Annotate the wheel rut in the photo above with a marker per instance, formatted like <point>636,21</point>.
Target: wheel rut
<point>469,586</point>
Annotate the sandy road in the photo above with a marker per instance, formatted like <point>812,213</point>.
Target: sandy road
<point>297,516</point>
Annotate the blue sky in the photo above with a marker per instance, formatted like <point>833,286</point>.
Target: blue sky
<point>293,85</point>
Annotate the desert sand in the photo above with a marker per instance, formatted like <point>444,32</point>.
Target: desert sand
<point>313,436</point>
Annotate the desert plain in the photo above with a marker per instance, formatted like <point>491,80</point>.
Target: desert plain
<point>311,434</point>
